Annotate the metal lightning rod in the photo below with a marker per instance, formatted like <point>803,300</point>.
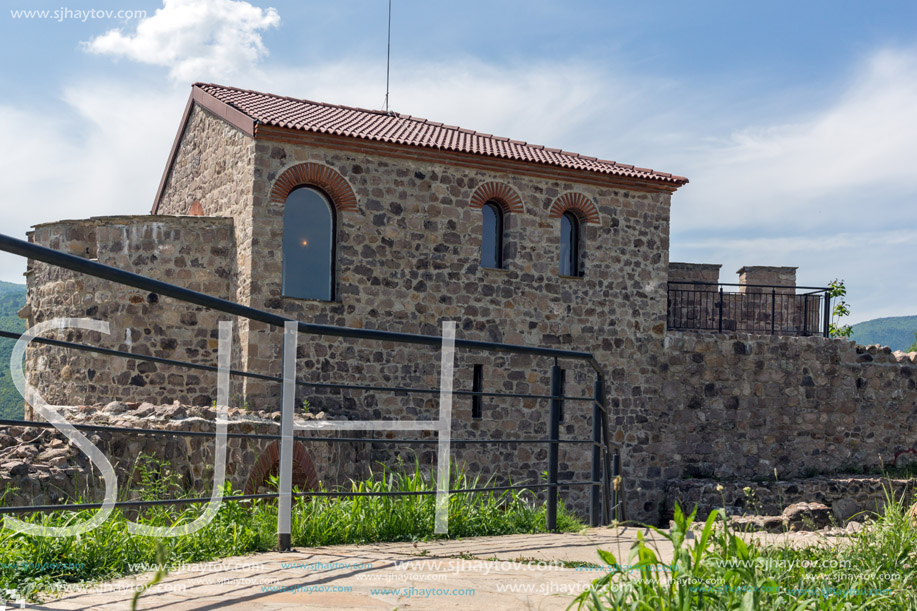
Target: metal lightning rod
<point>388,54</point>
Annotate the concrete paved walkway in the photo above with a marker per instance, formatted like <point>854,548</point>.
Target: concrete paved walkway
<point>491,573</point>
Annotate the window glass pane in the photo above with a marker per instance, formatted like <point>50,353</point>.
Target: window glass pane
<point>492,236</point>
<point>567,245</point>
<point>308,245</point>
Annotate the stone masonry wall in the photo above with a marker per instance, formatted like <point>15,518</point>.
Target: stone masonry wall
<point>743,406</point>
<point>409,257</point>
<point>193,252</point>
<point>214,167</point>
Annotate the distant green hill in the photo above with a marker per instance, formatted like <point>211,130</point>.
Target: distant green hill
<point>12,298</point>
<point>897,332</point>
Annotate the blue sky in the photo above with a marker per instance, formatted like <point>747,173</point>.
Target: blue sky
<point>796,122</point>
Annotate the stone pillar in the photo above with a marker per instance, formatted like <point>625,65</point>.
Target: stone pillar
<point>694,272</point>
<point>693,306</point>
<point>762,274</point>
<point>766,309</point>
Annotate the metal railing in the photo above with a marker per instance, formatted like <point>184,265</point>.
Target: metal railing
<point>603,501</point>
<point>762,309</point>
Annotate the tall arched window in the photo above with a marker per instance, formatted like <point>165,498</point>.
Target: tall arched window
<point>492,235</point>
<point>308,245</point>
<point>569,245</point>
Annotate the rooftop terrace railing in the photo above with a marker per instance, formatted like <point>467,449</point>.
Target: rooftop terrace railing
<point>605,453</point>
<point>762,309</point>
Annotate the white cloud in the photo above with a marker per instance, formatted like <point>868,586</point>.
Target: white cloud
<point>195,39</point>
<point>102,154</point>
<point>830,165</point>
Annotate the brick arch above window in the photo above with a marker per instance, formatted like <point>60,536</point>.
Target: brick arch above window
<point>501,193</point>
<point>327,179</point>
<point>578,203</point>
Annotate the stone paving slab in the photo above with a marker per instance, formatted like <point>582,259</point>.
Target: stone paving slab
<point>462,574</point>
<point>474,573</point>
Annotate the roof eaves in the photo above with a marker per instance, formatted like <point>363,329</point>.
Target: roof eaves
<point>173,152</point>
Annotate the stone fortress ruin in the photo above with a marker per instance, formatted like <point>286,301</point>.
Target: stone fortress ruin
<point>366,219</point>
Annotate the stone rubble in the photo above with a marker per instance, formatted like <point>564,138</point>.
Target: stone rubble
<point>39,465</point>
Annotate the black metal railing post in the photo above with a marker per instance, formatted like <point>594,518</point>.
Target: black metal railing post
<point>615,473</point>
<point>668,306</point>
<point>606,468</point>
<point>596,491</point>
<point>827,313</point>
<point>553,437</point>
<point>805,315</point>
<point>773,308</point>
<point>721,310</point>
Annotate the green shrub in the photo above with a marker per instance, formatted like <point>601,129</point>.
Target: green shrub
<point>876,569</point>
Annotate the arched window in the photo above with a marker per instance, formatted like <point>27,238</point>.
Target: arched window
<point>569,245</point>
<point>492,235</point>
<point>308,245</point>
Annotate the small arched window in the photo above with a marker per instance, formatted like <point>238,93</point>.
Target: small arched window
<point>569,245</point>
<point>308,245</point>
<point>492,235</point>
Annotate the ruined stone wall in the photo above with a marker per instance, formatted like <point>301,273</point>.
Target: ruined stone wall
<point>193,252</point>
<point>44,467</point>
<point>741,406</point>
<point>851,497</point>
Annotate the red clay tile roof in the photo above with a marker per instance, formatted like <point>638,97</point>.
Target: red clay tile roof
<point>304,115</point>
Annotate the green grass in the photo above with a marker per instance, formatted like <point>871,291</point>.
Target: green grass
<point>876,570</point>
<point>12,298</point>
<point>244,527</point>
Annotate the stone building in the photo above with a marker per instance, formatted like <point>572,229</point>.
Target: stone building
<point>366,219</point>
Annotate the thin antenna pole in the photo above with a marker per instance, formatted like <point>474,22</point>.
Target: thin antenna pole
<point>388,54</point>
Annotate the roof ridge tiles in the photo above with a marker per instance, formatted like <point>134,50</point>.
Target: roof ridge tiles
<point>290,98</point>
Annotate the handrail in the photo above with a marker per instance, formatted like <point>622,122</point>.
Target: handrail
<point>760,286</point>
<point>262,376</point>
<point>701,306</point>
